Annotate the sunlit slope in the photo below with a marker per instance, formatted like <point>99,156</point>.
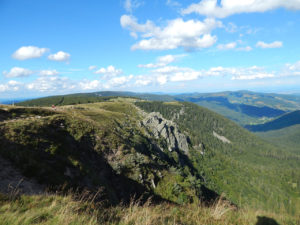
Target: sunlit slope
<point>234,161</point>
<point>107,139</point>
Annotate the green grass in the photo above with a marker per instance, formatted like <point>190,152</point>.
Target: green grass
<point>106,138</point>
<point>55,209</point>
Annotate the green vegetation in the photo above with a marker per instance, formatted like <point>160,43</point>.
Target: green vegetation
<point>286,120</point>
<point>248,170</point>
<point>83,98</point>
<point>104,146</point>
<point>55,209</point>
<point>243,107</point>
<point>286,138</point>
<point>71,145</point>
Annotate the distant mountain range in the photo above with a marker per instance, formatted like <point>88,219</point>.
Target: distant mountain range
<point>13,101</point>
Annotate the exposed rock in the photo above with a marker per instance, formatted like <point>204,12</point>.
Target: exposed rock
<point>221,138</point>
<point>161,127</point>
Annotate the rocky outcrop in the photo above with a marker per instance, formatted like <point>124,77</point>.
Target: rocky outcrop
<point>161,127</point>
<point>221,138</point>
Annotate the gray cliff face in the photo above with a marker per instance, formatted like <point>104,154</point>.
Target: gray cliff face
<point>161,127</point>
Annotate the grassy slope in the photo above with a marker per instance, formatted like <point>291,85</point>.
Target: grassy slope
<point>248,170</point>
<point>27,210</point>
<point>100,138</point>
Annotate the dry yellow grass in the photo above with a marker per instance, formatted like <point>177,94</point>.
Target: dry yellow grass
<point>55,209</point>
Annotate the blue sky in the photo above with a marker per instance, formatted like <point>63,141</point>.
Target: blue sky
<point>54,47</point>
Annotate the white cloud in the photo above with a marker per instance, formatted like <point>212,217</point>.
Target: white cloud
<point>246,49</point>
<point>51,84</point>
<point>11,85</point>
<point>275,44</point>
<point>172,3</point>
<point>162,61</point>
<point>92,67</point>
<point>60,56</point>
<point>130,5</point>
<point>29,52</point>
<point>118,81</point>
<point>162,79</point>
<point>90,85</point>
<point>212,8</point>
<point>143,80</point>
<point>109,72</point>
<point>175,74</point>
<point>291,69</point>
<point>230,45</point>
<point>48,73</point>
<point>18,72</point>
<point>191,34</point>
<point>253,76</point>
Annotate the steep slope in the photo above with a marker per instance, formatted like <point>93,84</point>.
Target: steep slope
<point>102,145</point>
<point>283,131</point>
<point>286,138</point>
<point>234,161</point>
<point>175,151</point>
<point>286,120</point>
<point>245,107</point>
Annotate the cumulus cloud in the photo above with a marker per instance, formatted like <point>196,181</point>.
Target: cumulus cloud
<point>190,34</point>
<point>29,52</point>
<point>90,85</point>
<point>11,85</point>
<point>162,61</point>
<point>212,8</point>
<point>291,69</point>
<point>51,84</point>
<point>17,72</point>
<point>275,44</point>
<point>60,56</point>
<point>230,45</point>
<point>118,81</point>
<point>143,80</point>
<point>109,72</point>
<point>234,46</point>
<point>48,73</point>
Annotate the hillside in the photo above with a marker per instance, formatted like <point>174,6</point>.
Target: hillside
<point>287,138</point>
<point>114,145</point>
<point>283,131</point>
<point>243,107</point>
<point>286,120</point>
